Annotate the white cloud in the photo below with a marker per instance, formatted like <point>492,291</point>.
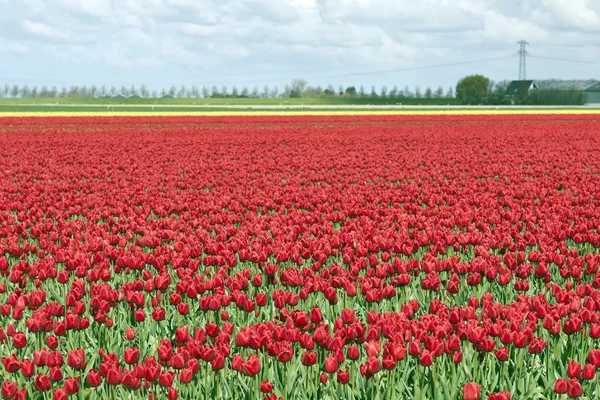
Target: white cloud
<point>583,14</point>
<point>500,27</point>
<point>43,30</point>
<point>299,37</point>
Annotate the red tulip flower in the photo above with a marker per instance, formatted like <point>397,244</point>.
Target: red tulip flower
<point>331,365</point>
<point>471,391</point>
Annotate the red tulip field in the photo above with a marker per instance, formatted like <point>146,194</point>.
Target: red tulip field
<point>300,257</point>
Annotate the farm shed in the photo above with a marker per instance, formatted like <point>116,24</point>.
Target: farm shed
<point>590,88</point>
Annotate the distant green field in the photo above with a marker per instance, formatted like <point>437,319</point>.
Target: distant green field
<point>238,101</point>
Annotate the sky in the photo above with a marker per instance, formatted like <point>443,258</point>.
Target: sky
<point>256,42</point>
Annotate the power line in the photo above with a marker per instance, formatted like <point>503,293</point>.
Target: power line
<point>363,73</point>
<point>564,59</point>
<point>425,67</point>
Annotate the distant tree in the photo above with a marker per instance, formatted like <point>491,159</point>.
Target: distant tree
<point>254,94</point>
<point>245,92</point>
<point>350,91</point>
<point>93,90</point>
<point>312,92</point>
<point>172,90</point>
<point>274,93</point>
<point>6,90</point>
<point>124,91</point>
<point>133,91</point>
<point>265,92</point>
<point>195,92</point>
<point>361,91</point>
<point>439,92</point>
<point>394,91</point>
<point>205,92</point>
<point>102,91</point>
<point>298,85</point>
<point>53,92</point>
<point>163,92</point>
<point>181,92</point>
<point>154,94</point>
<point>384,91</point>
<point>450,92</point>
<point>428,93</point>
<point>113,91</point>
<point>329,92</point>
<point>341,90</point>
<point>25,91</point>
<point>83,92</point>
<point>407,91</point>
<point>418,94</point>
<point>224,92</point>
<point>472,89</point>
<point>34,92</point>
<point>373,92</point>
<point>14,92</point>
<point>144,91</point>
<point>234,92</point>
<point>215,92</point>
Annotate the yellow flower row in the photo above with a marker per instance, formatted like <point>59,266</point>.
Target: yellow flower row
<point>297,112</point>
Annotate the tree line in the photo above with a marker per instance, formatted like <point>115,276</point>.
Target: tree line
<point>480,90</point>
<point>298,88</point>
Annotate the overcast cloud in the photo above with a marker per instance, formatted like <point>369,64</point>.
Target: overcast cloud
<point>256,42</point>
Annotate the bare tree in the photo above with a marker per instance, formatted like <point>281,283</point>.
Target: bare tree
<point>205,92</point>
<point>195,92</point>
<point>144,91</point>
<point>181,92</point>
<point>215,92</point>
<point>361,91</point>
<point>265,93</point>
<point>25,91</point>
<point>254,94</point>
<point>450,92</point>
<point>234,92</point>
<point>439,93</point>
<point>384,91</point>
<point>418,94</point>
<point>274,93</point>
<point>244,92</point>
<point>428,93</point>
<point>299,85</point>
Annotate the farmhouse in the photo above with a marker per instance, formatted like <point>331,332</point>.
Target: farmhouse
<point>520,88</point>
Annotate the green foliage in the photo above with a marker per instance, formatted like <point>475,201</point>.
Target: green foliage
<point>472,89</point>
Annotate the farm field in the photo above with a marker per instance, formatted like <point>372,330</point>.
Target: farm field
<point>300,257</point>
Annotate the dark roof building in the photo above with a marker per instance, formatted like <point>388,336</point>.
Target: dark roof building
<point>520,88</point>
